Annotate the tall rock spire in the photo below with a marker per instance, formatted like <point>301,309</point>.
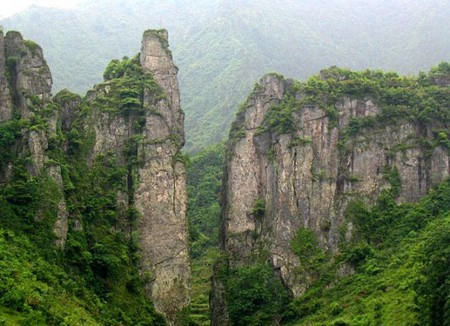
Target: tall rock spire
<point>25,92</point>
<point>160,195</point>
<point>5,96</point>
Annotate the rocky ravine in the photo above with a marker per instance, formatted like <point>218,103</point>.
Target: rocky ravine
<point>140,133</point>
<point>306,175</point>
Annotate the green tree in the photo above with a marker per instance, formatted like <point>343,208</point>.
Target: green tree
<point>255,295</point>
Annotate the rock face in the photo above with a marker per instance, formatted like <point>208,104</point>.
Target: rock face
<point>5,96</point>
<point>156,183</point>
<point>160,195</point>
<point>307,174</point>
<point>126,134</point>
<point>31,75</point>
<point>25,90</point>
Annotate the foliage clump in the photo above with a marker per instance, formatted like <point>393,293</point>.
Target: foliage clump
<point>306,246</point>
<point>419,99</point>
<point>399,253</point>
<point>127,83</point>
<point>205,173</point>
<point>259,208</point>
<point>255,295</point>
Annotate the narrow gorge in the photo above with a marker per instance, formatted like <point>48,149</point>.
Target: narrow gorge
<point>333,210</point>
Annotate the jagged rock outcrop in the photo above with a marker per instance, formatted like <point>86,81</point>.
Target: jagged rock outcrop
<point>25,90</point>
<point>30,75</point>
<point>151,134</point>
<point>115,154</point>
<point>141,129</point>
<point>160,195</point>
<point>305,157</point>
<point>5,96</point>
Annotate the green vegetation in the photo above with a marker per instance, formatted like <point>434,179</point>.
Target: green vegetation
<point>204,185</point>
<point>205,172</point>
<point>306,246</point>
<point>259,208</point>
<point>279,118</point>
<point>105,253</point>
<point>9,132</point>
<point>95,279</point>
<point>254,294</point>
<point>419,100</point>
<point>36,290</point>
<point>399,254</point>
<point>127,84</point>
<point>32,46</point>
<point>202,270</point>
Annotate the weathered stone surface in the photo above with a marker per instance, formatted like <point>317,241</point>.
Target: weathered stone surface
<point>61,226</point>
<point>31,75</point>
<point>37,144</point>
<point>69,108</point>
<point>5,96</point>
<point>160,195</point>
<point>30,85</point>
<point>156,58</point>
<point>306,178</point>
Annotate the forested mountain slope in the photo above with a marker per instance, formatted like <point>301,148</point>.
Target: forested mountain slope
<point>223,47</point>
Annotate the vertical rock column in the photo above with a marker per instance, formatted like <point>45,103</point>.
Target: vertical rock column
<point>5,96</point>
<point>30,93</point>
<point>160,195</point>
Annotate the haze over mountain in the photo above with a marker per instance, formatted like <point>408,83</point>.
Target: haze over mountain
<point>329,203</point>
<point>223,46</point>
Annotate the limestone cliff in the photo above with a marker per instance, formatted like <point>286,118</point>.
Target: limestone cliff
<point>5,96</point>
<point>25,94</point>
<point>112,178</point>
<point>160,195</point>
<point>138,122</point>
<point>300,153</point>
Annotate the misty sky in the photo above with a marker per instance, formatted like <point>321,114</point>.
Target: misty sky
<point>10,7</point>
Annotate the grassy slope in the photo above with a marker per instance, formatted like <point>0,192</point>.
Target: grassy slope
<point>383,291</point>
<point>403,280</point>
<point>36,289</point>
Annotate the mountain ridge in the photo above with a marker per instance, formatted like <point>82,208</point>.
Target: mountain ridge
<point>219,65</point>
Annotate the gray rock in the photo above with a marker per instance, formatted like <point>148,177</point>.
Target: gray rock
<point>160,195</point>
<point>307,181</point>
<point>5,95</point>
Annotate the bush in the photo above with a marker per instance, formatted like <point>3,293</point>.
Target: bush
<point>306,246</point>
<point>259,208</point>
<point>255,295</point>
